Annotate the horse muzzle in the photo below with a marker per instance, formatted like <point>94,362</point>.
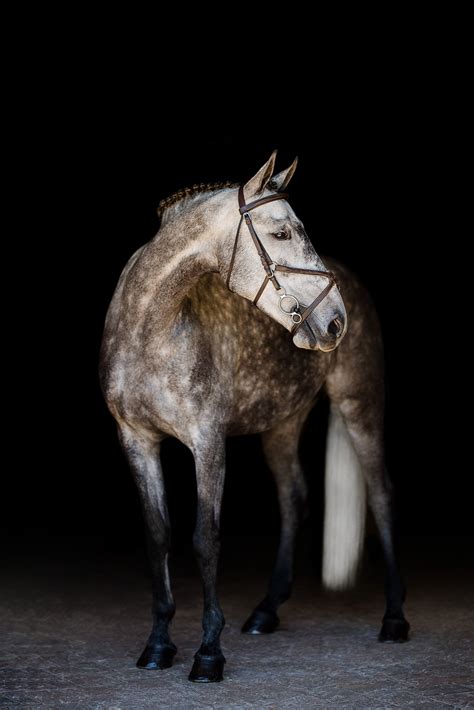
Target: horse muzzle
<point>310,336</point>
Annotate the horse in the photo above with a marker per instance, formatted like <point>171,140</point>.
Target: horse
<point>196,347</point>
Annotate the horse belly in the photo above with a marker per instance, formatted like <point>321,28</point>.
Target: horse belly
<point>261,405</point>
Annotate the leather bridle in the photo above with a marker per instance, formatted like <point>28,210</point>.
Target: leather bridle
<point>271,267</point>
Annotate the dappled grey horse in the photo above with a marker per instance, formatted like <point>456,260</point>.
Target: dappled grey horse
<point>196,347</point>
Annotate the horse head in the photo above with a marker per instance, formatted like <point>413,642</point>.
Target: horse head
<point>270,248</point>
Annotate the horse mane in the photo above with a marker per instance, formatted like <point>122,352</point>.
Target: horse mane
<point>196,189</point>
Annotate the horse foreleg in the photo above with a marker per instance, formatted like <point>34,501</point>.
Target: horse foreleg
<point>210,472</point>
<point>280,446</point>
<point>143,457</point>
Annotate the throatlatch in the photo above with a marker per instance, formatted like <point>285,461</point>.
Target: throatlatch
<point>289,304</point>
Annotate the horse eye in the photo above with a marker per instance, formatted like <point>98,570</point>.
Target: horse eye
<point>282,235</point>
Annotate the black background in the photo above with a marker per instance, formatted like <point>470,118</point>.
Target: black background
<point>373,189</point>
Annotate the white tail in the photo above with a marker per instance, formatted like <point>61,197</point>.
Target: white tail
<point>344,516</point>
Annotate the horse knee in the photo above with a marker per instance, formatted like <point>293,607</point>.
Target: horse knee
<point>206,541</point>
<point>159,542</point>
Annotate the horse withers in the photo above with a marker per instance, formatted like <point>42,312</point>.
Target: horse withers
<point>196,347</point>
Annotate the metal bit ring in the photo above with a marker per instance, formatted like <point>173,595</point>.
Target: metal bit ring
<point>294,308</point>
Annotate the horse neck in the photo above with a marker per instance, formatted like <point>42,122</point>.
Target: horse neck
<point>184,249</point>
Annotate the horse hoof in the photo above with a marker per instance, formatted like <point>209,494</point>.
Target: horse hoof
<point>157,657</point>
<point>394,630</point>
<point>207,669</point>
<point>261,622</point>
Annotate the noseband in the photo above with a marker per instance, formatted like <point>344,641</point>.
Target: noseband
<point>288,304</point>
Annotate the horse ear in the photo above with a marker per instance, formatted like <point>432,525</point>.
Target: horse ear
<point>280,181</point>
<point>257,184</point>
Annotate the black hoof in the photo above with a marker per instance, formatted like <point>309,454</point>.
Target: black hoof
<point>207,669</point>
<point>394,630</point>
<point>261,622</point>
<point>157,657</point>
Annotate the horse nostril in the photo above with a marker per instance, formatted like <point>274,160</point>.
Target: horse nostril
<point>335,327</point>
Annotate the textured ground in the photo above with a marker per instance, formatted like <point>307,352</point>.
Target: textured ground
<point>70,633</point>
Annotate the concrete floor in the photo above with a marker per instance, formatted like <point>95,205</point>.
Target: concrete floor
<point>71,632</point>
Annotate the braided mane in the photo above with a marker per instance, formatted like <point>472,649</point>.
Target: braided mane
<point>191,192</point>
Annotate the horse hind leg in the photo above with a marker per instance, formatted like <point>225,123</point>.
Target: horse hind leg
<point>280,446</point>
<point>363,423</point>
<point>143,457</point>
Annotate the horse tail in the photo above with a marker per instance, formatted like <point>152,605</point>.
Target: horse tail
<point>345,502</point>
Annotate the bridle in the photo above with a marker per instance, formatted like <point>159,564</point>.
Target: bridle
<point>271,267</point>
